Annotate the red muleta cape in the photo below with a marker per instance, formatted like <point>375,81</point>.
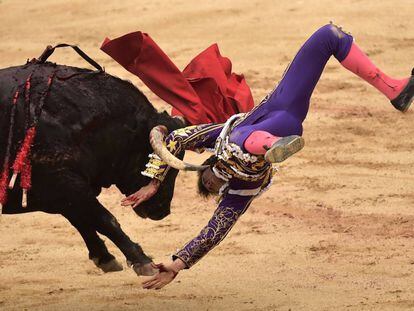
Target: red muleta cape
<point>205,92</point>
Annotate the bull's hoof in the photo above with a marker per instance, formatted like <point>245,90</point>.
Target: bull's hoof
<point>111,266</point>
<point>144,270</point>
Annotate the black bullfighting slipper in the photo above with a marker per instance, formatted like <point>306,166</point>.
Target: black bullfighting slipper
<point>284,148</point>
<point>403,101</point>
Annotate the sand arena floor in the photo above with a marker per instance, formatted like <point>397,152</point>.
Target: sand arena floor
<point>335,231</point>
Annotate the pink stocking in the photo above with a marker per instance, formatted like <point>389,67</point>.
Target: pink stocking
<point>258,142</point>
<point>359,63</point>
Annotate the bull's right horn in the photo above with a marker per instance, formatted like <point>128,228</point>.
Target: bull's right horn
<point>157,135</point>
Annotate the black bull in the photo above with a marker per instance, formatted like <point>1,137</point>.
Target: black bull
<point>92,132</point>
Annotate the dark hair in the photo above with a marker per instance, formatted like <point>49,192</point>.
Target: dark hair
<point>202,190</point>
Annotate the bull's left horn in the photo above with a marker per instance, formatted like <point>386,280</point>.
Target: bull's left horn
<point>157,142</point>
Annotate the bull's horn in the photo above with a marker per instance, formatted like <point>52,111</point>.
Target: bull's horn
<point>157,142</point>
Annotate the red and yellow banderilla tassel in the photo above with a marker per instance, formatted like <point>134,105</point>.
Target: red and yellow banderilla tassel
<point>5,173</point>
<point>22,156</point>
<point>22,165</point>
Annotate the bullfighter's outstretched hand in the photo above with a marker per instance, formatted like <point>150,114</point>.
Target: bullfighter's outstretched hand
<point>143,194</point>
<point>166,274</point>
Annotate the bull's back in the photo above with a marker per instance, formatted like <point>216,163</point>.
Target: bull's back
<point>75,110</point>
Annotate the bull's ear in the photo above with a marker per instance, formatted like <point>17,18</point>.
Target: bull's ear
<point>172,123</point>
<point>182,120</point>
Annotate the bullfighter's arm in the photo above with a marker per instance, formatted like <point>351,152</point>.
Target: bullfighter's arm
<point>225,216</point>
<point>196,138</point>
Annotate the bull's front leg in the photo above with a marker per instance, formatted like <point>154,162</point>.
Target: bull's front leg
<point>107,225</point>
<point>65,192</point>
<point>98,252</point>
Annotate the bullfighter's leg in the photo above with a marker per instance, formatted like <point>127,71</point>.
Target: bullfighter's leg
<point>107,225</point>
<point>286,107</point>
<point>98,252</point>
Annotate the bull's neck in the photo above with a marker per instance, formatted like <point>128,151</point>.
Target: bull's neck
<point>136,153</point>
